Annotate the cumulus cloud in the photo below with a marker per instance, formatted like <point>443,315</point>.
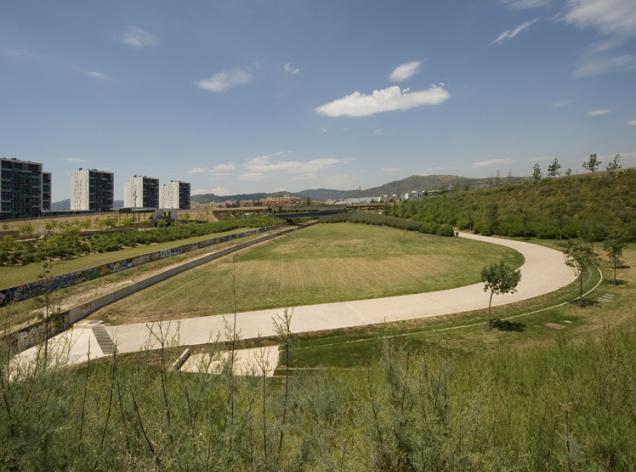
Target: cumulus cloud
<point>138,38</point>
<point>93,74</point>
<point>600,112</point>
<point>222,81</point>
<point>389,99</point>
<point>75,160</point>
<point>270,163</point>
<point>510,34</point>
<point>391,169</point>
<point>491,162</point>
<point>217,170</point>
<point>378,131</point>
<point>216,191</point>
<point>592,66</point>
<point>404,71</point>
<point>631,122</point>
<point>290,69</point>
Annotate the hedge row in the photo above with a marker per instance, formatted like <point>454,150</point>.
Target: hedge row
<point>70,243</point>
<point>369,218</point>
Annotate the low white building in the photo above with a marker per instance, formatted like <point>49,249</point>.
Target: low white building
<point>175,194</point>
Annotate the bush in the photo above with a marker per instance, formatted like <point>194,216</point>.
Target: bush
<point>69,243</point>
<point>369,218</point>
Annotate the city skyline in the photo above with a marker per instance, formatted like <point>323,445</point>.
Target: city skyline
<point>240,97</point>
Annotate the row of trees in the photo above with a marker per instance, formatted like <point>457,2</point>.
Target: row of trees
<point>592,164</point>
<point>592,206</point>
<point>70,243</point>
<point>369,218</point>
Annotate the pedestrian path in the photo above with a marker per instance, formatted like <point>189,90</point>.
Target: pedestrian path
<point>543,271</point>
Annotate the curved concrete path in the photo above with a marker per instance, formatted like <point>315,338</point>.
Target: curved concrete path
<point>543,271</point>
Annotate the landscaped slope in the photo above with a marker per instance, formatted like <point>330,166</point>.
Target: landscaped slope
<point>589,206</point>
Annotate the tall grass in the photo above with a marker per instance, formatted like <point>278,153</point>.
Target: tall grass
<point>571,406</point>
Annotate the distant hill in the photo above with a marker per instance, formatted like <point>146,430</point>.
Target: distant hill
<point>65,204</point>
<point>414,182</point>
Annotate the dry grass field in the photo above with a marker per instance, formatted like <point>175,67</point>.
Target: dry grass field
<point>323,263</point>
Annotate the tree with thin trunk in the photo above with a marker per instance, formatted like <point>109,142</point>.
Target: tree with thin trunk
<point>536,172</point>
<point>593,163</point>
<point>579,256</point>
<point>614,246</point>
<point>499,278</point>
<point>615,164</point>
<point>554,168</point>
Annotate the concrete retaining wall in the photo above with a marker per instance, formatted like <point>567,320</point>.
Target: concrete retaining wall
<point>34,334</point>
<point>39,287</point>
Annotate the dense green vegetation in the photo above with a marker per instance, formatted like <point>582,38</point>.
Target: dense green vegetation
<point>590,206</point>
<point>70,243</point>
<point>369,218</point>
<point>569,406</point>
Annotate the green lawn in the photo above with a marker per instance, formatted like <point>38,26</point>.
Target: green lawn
<point>319,264</point>
<point>16,275</point>
<point>467,335</point>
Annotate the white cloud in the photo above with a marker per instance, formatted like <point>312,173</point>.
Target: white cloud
<point>526,4</point>
<point>600,112</point>
<point>138,38</point>
<point>93,74</point>
<point>75,160</point>
<point>491,162</point>
<point>389,99</point>
<point>216,191</point>
<point>604,65</point>
<point>404,71</point>
<point>391,169</point>
<point>631,122</point>
<point>290,69</point>
<point>252,176</point>
<point>217,170</point>
<point>222,81</point>
<point>378,131</point>
<point>560,103</point>
<point>269,163</point>
<point>611,17</point>
<point>510,34</point>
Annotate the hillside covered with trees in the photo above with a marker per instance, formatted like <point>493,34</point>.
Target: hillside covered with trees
<point>590,206</point>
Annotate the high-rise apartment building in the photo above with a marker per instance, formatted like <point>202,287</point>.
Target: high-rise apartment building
<point>141,192</point>
<point>46,191</point>
<point>20,188</point>
<point>92,190</point>
<point>175,194</point>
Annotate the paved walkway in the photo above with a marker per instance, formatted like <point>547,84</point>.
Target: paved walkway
<point>543,271</point>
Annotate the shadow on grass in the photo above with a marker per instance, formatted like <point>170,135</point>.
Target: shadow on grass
<point>505,325</point>
<point>584,303</point>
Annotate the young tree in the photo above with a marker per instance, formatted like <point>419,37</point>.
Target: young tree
<point>614,246</point>
<point>568,172</point>
<point>499,278</point>
<point>593,163</point>
<point>615,164</point>
<point>536,172</point>
<point>579,256</point>
<point>554,168</point>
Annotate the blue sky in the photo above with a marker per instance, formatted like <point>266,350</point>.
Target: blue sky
<point>242,96</point>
